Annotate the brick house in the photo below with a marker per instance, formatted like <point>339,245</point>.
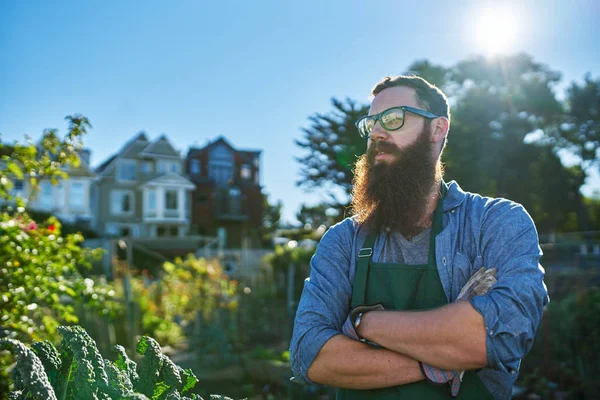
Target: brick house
<point>228,199</point>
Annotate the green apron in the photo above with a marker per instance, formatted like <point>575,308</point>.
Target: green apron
<point>407,287</point>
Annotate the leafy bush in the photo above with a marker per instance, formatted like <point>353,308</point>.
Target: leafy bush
<point>78,371</point>
<point>40,267</point>
<point>186,287</point>
<point>567,347</point>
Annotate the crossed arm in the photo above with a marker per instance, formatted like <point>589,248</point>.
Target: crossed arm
<point>450,337</point>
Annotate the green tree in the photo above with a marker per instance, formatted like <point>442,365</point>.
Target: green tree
<point>582,132</point>
<point>271,220</point>
<point>315,216</point>
<point>505,116</point>
<point>333,145</point>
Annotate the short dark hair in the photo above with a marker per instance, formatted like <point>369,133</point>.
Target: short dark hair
<point>429,96</point>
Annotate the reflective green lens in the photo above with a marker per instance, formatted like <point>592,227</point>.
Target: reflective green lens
<point>365,126</point>
<point>392,118</point>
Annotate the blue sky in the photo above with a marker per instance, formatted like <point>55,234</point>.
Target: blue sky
<point>250,71</point>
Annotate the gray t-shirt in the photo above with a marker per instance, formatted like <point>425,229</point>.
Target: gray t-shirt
<point>399,250</point>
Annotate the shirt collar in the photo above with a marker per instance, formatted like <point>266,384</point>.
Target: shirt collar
<point>454,197</point>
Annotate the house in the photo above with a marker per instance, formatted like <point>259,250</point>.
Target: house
<point>228,199</point>
<point>68,199</point>
<point>141,191</point>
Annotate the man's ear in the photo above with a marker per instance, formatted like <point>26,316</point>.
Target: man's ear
<point>439,128</point>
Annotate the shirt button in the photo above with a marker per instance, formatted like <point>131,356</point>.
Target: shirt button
<point>513,371</point>
<point>444,260</point>
<point>491,332</point>
<point>452,212</point>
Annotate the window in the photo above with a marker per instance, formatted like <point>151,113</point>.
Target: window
<point>171,200</point>
<point>235,200</point>
<point>195,167</point>
<point>76,198</point>
<point>124,231</point>
<point>165,166</point>
<point>147,167</point>
<point>152,200</point>
<point>221,164</point>
<point>245,172</point>
<point>46,194</point>
<point>121,202</point>
<point>126,170</point>
<point>60,195</point>
<point>222,174</point>
<point>167,230</point>
<point>18,188</point>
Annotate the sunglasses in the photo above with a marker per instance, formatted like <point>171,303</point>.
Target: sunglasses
<point>391,119</point>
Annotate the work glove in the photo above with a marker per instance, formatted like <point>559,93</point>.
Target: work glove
<point>349,327</point>
<point>479,284</point>
<point>441,376</point>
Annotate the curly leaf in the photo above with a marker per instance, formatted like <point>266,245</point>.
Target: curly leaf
<point>160,391</point>
<point>89,373</point>
<point>30,370</point>
<point>151,365</point>
<point>125,364</point>
<point>189,378</point>
<point>119,384</point>
<point>50,358</point>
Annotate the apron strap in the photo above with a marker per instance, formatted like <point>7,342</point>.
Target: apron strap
<point>359,293</point>
<point>362,270</point>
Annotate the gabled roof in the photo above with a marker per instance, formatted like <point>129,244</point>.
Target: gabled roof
<point>248,154</point>
<point>105,164</point>
<point>137,141</point>
<point>160,147</point>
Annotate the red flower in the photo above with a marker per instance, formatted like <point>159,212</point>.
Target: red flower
<point>51,228</point>
<point>32,226</point>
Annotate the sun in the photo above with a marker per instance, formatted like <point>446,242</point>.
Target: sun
<point>496,30</point>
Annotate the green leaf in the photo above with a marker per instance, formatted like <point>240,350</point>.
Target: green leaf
<point>15,169</point>
<point>190,380</point>
<point>30,370</point>
<point>159,389</point>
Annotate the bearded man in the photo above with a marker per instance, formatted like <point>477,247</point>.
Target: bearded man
<point>382,315</point>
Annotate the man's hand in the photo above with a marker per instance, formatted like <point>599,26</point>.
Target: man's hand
<point>479,284</point>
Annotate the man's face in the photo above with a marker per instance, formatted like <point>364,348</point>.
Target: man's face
<point>393,179</point>
<point>413,126</point>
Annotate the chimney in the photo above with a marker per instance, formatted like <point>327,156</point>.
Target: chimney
<point>84,155</point>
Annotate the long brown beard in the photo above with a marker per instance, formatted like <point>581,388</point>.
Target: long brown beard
<point>396,195</point>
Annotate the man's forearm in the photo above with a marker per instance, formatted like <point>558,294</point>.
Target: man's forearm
<point>346,363</point>
<point>450,337</point>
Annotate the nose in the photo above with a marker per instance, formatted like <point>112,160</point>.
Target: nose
<point>378,133</point>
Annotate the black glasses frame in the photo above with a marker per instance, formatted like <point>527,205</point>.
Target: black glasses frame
<point>377,117</point>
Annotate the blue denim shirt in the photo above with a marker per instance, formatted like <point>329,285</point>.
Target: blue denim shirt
<point>477,231</point>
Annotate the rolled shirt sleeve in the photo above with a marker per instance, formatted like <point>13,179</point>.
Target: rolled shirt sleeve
<point>325,300</point>
<point>513,308</point>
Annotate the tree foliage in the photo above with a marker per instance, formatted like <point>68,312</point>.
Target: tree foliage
<point>317,215</point>
<point>581,133</point>
<point>333,145</point>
